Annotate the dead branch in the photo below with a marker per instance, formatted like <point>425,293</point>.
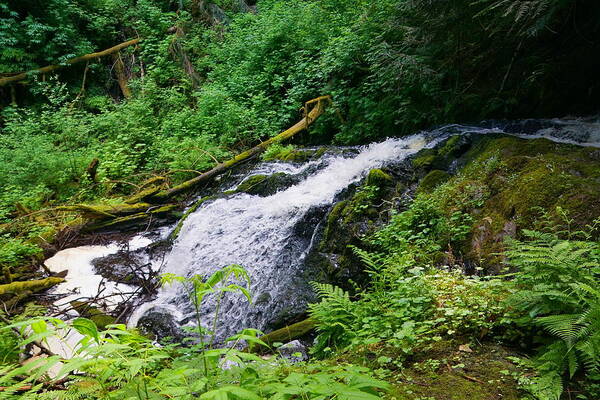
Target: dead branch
<point>51,68</point>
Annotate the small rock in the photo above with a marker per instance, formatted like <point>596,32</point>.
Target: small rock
<point>294,351</point>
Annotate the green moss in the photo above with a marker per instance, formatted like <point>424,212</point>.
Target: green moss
<point>287,333</point>
<point>425,159</point>
<point>441,156</point>
<point>451,147</point>
<point>265,185</point>
<point>332,219</point>
<point>432,180</point>
<point>508,184</point>
<point>143,195</point>
<point>377,177</point>
<point>277,151</point>
<point>441,371</point>
<point>33,285</point>
<point>290,154</point>
<point>297,156</point>
<point>248,185</point>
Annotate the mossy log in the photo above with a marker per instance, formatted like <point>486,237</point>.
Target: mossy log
<point>51,68</point>
<point>33,286</point>
<point>318,108</point>
<point>285,334</point>
<point>107,210</point>
<point>132,218</point>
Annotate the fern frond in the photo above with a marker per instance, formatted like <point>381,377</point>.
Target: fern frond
<point>564,326</point>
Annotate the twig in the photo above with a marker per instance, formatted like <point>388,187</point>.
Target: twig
<point>43,348</point>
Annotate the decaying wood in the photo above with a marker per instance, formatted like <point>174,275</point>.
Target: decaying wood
<point>121,75</point>
<point>154,201</point>
<point>34,285</point>
<point>51,68</point>
<point>318,108</point>
<point>285,334</point>
<point>92,170</point>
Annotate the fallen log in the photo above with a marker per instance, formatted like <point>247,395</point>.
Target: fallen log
<point>50,68</point>
<point>34,286</point>
<point>153,200</point>
<point>318,108</point>
<point>132,219</point>
<point>285,334</point>
<point>107,210</point>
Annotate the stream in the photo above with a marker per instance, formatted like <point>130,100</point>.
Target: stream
<point>271,235</point>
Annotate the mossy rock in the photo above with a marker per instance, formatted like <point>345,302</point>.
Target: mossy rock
<point>348,222</point>
<point>265,185</point>
<point>296,155</point>
<point>350,217</point>
<point>377,177</point>
<point>432,180</point>
<point>507,184</point>
<point>442,156</point>
<point>425,158</point>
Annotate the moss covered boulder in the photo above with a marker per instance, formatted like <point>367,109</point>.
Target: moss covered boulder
<point>509,184</point>
<point>265,185</point>
<point>441,156</point>
<point>432,180</point>
<point>349,221</point>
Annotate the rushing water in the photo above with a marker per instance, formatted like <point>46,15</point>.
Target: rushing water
<point>270,236</point>
<point>259,233</point>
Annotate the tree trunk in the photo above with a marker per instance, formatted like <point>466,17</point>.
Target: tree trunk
<point>320,104</point>
<point>50,68</point>
<point>121,75</point>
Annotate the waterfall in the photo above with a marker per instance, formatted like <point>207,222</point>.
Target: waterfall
<point>259,233</point>
<point>271,235</point>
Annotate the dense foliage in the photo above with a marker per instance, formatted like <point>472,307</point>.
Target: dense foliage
<point>202,90</point>
<point>210,79</point>
<point>121,364</point>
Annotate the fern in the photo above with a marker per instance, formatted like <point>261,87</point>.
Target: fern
<point>557,290</point>
<point>527,17</point>
<point>334,315</point>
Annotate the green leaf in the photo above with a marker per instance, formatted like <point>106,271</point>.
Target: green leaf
<point>86,327</point>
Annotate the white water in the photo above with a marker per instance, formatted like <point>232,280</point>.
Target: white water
<point>255,232</point>
<point>82,282</point>
<point>260,233</point>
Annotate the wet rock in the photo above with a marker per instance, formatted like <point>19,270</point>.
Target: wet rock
<point>294,351</point>
<point>161,326</point>
<point>266,185</point>
<point>443,155</point>
<point>133,267</point>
